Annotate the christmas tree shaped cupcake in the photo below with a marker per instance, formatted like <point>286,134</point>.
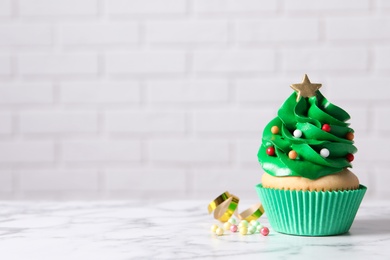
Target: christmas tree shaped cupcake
<point>307,188</point>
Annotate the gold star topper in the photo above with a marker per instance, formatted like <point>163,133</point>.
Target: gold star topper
<point>306,88</point>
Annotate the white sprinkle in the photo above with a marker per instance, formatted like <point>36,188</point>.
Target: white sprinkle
<point>297,133</point>
<point>324,152</point>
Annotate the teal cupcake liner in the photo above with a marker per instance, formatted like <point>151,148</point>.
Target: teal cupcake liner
<point>311,213</point>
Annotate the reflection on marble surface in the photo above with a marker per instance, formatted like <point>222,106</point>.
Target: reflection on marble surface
<point>169,230</point>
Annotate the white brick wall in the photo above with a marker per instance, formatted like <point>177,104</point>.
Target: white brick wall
<point>324,59</point>
<point>278,30</point>
<point>190,32</point>
<point>38,122</point>
<point>358,88</point>
<point>384,4</point>
<point>25,35</point>
<point>5,7</point>
<point>381,60</point>
<point>153,180</point>
<point>180,152</point>
<point>234,6</point>
<point>126,99</point>
<point>87,92</point>
<point>6,182</point>
<point>327,5</point>
<point>5,65</point>
<point>25,93</point>
<point>145,122</point>
<point>57,7</point>
<point>6,124</point>
<point>100,151</point>
<point>60,180</point>
<point>361,28</point>
<point>26,152</point>
<point>139,7</point>
<point>79,34</point>
<point>145,62</point>
<point>243,122</point>
<point>259,90</point>
<point>380,112</point>
<point>188,91</point>
<point>234,61</point>
<point>58,64</point>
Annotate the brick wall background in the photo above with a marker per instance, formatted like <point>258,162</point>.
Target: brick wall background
<point>104,99</point>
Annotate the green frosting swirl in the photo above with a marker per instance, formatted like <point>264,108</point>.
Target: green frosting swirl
<point>307,115</point>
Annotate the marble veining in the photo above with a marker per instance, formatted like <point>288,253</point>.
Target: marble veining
<point>170,230</point>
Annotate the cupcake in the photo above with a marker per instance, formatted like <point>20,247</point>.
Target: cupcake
<point>307,188</point>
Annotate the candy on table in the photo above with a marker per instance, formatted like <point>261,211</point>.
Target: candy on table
<point>232,221</point>
<point>219,231</point>
<point>259,227</point>
<point>251,230</point>
<point>229,221</point>
<point>244,223</point>
<point>264,231</point>
<point>244,227</point>
<point>226,225</point>
<point>233,228</point>
<point>214,228</point>
<point>243,230</point>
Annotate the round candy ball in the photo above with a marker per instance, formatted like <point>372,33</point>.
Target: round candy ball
<point>251,230</point>
<point>297,133</point>
<point>213,228</point>
<point>326,128</point>
<point>292,155</point>
<point>324,152</point>
<point>226,225</point>
<point>264,231</point>
<point>274,129</point>
<point>254,223</point>
<point>233,228</point>
<point>270,151</point>
<point>350,136</point>
<point>350,157</point>
<point>232,221</point>
<point>259,227</point>
<point>244,223</point>
<point>243,230</point>
<point>219,231</point>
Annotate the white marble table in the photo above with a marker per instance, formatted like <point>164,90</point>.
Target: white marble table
<point>170,230</point>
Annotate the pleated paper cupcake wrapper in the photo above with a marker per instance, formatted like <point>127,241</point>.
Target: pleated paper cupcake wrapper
<point>311,213</point>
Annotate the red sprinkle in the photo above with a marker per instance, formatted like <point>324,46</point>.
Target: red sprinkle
<point>350,157</point>
<point>326,128</point>
<point>270,151</point>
